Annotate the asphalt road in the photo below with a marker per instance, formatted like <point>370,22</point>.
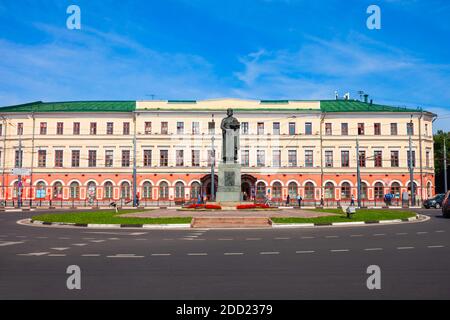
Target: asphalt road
<point>319,263</point>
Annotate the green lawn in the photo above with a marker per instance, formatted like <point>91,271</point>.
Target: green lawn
<point>360,215</point>
<point>107,217</point>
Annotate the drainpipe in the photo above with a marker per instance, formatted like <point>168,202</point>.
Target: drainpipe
<point>420,152</point>
<point>5,127</point>
<point>322,119</point>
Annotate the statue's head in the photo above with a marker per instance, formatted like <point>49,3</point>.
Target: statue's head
<point>230,112</point>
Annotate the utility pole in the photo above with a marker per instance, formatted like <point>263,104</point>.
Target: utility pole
<point>134,164</point>
<point>444,152</point>
<point>411,169</point>
<point>19,177</point>
<point>213,162</point>
<point>358,173</point>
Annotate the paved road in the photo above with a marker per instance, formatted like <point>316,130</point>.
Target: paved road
<point>319,263</point>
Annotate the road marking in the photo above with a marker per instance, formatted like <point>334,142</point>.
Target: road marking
<point>405,248</point>
<point>306,251</point>
<point>79,244</point>
<point>98,241</point>
<point>432,247</point>
<point>357,235</point>
<point>268,253</point>
<point>373,249</point>
<point>191,236</point>
<point>253,239</point>
<point>88,238</point>
<point>138,233</point>
<point>91,255</point>
<point>168,239</point>
<point>330,237</point>
<point>57,255</point>
<point>224,239</point>
<point>197,254</point>
<point>141,239</point>
<point>422,232</point>
<point>113,238</point>
<point>307,237</point>
<point>401,233</point>
<point>340,250</point>
<point>59,249</point>
<point>41,237</point>
<point>440,231</point>
<point>33,254</point>
<point>281,238</point>
<point>10,243</point>
<point>233,253</point>
<point>379,234</point>
<point>161,254</point>
<point>125,255</point>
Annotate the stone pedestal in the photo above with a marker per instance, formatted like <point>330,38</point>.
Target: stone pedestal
<point>229,189</point>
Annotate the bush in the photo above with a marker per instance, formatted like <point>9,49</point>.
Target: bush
<point>252,206</point>
<point>204,206</point>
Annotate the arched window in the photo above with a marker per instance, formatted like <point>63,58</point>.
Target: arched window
<point>309,190</point>
<point>108,187</point>
<point>429,189</point>
<point>260,190</point>
<point>179,190</point>
<point>395,189</point>
<point>363,189</point>
<point>57,190</point>
<point>147,190</point>
<point>16,190</point>
<point>293,190</point>
<point>163,190</point>
<point>125,190</point>
<point>276,190</point>
<point>92,190</point>
<point>329,190</point>
<point>346,190</point>
<point>379,190</point>
<point>40,190</point>
<point>415,187</point>
<point>195,190</point>
<point>74,190</point>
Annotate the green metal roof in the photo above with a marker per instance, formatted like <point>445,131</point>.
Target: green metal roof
<point>73,106</point>
<point>359,106</point>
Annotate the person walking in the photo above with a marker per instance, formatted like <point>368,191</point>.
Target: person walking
<point>288,200</point>
<point>299,200</point>
<point>352,202</point>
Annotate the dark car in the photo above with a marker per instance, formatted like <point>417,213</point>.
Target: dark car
<point>435,202</point>
<point>446,205</point>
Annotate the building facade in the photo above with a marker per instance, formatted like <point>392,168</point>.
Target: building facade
<point>86,151</point>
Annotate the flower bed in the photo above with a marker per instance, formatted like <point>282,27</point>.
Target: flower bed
<point>253,206</point>
<point>203,206</point>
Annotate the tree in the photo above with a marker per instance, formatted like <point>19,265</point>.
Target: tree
<point>439,159</point>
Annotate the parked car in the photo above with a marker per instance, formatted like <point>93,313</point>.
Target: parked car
<point>435,202</point>
<point>446,205</point>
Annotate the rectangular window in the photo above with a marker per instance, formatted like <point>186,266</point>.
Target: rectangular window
<point>42,158</point>
<point>211,128</point>
<point>126,128</point>
<point>328,158</point>
<point>244,128</point>
<point>92,158</point>
<point>75,158</point>
<point>59,158</point>
<point>1,129</point>
<point>195,158</point>
<point>180,158</point>
<point>309,160</point>
<point>413,158</point>
<point>377,129</point>
<point>361,129</point>
<point>426,130</point>
<point>245,158</point>
<point>211,156</point>
<point>292,128</point>
<point>427,159</point>
<point>18,161</point>
<point>163,158</point>
<point>394,159</point>
<point>276,158</point>
<point>109,128</point>
<point>345,159</point>
<point>109,158</point>
<point>276,128</point>
<point>164,127</point>
<point>180,127</point>
<point>195,127</point>
<point>292,158</point>
<point>60,128</point>
<point>378,159</point>
<point>410,128</point>
<point>394,130</point>
<point>93,128</point>
<point>148,127</point>
<point>328,129</point>
<point>125,158</point>
<point>43,128</point>
<point>260,128</point>
<point>260,158</point>
<point>147,158</point>
<point>344,129</point>
<point>20,128</point>
<point>308,128</point>
<point>76,128</point>
<point>362,159</point>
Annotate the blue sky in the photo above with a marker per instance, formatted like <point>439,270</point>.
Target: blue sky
<point>198,49</point>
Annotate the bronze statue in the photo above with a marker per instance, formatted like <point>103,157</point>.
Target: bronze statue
<point>230,123</point>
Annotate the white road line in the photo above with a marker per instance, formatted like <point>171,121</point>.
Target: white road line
<point>10,243</point>
<point>125,255</point>
<point>253,239</point>
<point>79,244</point>
<point>331,237</point>
<point>281,238</point>
<point>432,247</point>
<point>379,234</point>
<point>161,254</point>
<point>91,255</point>
<point>422,232</point>
<point>88,238</point>
<point>373,249</point>
<point>224,239</point>
<point>405,248</point>
<point>440,231</point>
<point>168,239</point>
<point>197,254</point>
<point>98,241</point>
<point>401,233</point>
<point>113,239</point>
<point>141,239</point>
<point>233,253</point>
<point>269,253</point>
<point>306,251</point>
<point>307,237</point>
<point>340,250</point>
<point>33,254</point>
<point>59,249</point>
<point>41,237</point>
<point>57,255</point>
<point>191,236</point>
<point>356,235</point>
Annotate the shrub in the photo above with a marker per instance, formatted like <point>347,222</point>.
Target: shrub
<point>252,206</point>
<point>204,206</point>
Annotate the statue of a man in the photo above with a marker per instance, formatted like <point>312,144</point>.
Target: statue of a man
<point>228,124</point>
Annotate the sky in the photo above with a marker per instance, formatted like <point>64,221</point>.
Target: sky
<point>203,49</point>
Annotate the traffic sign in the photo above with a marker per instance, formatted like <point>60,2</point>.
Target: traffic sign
<point>21,172</point>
